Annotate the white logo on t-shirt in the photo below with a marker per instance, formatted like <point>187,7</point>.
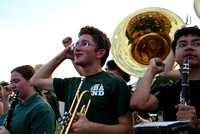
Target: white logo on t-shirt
<point>97,90</point>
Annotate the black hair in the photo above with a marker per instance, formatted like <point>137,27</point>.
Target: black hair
<point>184,32</point>
<point>112,66</point>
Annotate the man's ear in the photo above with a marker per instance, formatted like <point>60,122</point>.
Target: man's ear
<point>101,53</point>
<point>175,58</point>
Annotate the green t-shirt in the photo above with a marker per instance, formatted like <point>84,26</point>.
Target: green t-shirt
<point>1,100</point>
<point>33,116</point>
<point>52,100</point>
<point>110,96</point>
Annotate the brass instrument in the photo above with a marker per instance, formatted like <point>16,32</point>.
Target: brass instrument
<point>197,8</point>
<point>142,35</point>
<point>70,117</point>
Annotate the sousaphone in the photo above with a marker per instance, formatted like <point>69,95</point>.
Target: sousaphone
<point>197,8</point>
<point>142,35</point>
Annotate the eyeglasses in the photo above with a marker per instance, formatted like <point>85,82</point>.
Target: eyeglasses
<point>185,44</point>
<point>83,44</point>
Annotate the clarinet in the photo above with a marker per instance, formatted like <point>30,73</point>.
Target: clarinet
<point>184,99</point>
<point>11,110</point>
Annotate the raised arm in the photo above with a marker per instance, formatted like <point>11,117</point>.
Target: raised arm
<point>169,71</point>
<point>141,99</point>
<point>41,78</point>
<point>67,42</point>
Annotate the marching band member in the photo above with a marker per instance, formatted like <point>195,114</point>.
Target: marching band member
<point>186,43</point>
<point>32,115</point>
<point>109,111</point>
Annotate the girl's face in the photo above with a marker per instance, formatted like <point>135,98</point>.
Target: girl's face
<point>19,83</point>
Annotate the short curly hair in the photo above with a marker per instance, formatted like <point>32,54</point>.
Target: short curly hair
<point>101,39</point>
<point>184,32</point>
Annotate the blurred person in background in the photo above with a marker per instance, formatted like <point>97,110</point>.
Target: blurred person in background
<point>1,100</point>
<point>112,67</point>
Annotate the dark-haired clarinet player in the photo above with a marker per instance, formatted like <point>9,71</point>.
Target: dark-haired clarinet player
<point>32,115</point>
<point>186,44</point>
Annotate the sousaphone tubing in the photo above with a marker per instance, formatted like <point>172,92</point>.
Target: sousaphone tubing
<point>197,8</point>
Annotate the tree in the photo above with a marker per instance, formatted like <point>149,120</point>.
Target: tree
<point>4,83</point>
<point>162,81</point>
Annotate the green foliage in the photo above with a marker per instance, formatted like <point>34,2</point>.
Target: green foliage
<point>4,83</point>
<point>162,81</point>
<point>59,128</point>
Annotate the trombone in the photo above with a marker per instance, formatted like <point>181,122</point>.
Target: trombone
<point>70,117</point>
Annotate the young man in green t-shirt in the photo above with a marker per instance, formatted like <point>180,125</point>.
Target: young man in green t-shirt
<point>109,110</point>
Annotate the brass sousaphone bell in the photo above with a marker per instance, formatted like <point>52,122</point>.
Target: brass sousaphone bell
<point>142,35</point>
<point>197,8</point>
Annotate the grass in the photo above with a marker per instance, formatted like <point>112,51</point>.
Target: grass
<point>59,128</point>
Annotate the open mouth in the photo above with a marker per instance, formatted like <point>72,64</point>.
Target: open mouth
<point>15,91</point>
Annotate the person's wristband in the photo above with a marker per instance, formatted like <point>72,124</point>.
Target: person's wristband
<point>138,119</point>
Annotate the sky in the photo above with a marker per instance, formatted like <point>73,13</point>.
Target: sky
<point>31,31</point>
